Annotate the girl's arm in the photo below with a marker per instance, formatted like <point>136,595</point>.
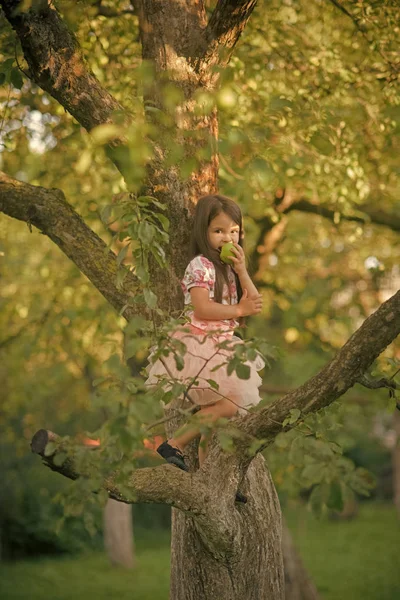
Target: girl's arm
<point>247,284</point>
<point>239,266</point>
<point>204,308</point>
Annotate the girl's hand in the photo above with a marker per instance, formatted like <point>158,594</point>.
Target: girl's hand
<point>239,264</point>
<point>247,306</point>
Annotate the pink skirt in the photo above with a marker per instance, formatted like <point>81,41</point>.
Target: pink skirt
<point>202,356</point>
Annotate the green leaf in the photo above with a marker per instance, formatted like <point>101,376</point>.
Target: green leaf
<point>150,298</point>
<point>121,275</point>
<point>335,499</point>
<point>105,213</point>
<point>335,447</point>
<point>59,459</point>
<point>122,254</point>
<point>293,417</point>
<point>100,380</point>
<point>281,440</point>
<point>179,362</point>
<point>150,200</point>
<point>142,274</point>
<point>255,446</point>
<point>137,324</point>
<point>251,354</point>
<point>146,232</point>
<point>163,220</point>
<point>155,252</point>
<point>225,441</point>
<point>6,65</point>
<point>213,384</point>
<point>243,371</point>
<point>312,473</point>
<point>232,365</point>
<point>318,498</point>
<point>322,144</point>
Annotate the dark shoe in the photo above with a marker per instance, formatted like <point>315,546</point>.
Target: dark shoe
<point>240,497</point>
<point>172,455</point>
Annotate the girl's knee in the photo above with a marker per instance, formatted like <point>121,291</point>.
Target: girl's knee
<point>229,408</point>
<point>222,408</point>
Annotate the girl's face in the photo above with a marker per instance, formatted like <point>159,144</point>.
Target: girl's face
<point>222,230</point>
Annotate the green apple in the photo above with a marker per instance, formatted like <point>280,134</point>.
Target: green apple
<point>226,253</point>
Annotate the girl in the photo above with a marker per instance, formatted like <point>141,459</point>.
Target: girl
<point>220,294</point>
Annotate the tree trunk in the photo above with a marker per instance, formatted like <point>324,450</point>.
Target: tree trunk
<point>118,533</point>
<point>298,585</point>
<point>257,573</point>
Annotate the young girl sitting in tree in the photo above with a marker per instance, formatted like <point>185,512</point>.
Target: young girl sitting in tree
<point>220,294</point>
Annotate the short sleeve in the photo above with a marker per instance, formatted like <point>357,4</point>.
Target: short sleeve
<point>200,272</point>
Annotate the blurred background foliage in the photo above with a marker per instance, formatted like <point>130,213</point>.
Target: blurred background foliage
<point>309,109</point>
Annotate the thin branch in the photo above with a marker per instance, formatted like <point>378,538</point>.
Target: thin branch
<point>395,68</point>
<point>40,321</point>
<point>344,10</point>
<point>374,384</point>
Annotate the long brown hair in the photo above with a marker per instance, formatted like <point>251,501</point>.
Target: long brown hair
<point>207,208</point>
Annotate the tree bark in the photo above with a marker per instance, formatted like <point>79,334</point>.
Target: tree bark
<point>118,533</point>
<point>256,572</point>
<point>298,585</point>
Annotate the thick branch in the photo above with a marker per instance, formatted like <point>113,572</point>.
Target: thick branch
<point>56,63</point>
<point>341,373</point>
<point>164,484</point>
<point>224,28</point>
<point>49,211</point>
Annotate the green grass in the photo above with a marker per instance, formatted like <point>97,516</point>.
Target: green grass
<point>91,576</point>
<point>351,560</point>
<point>348,560</point>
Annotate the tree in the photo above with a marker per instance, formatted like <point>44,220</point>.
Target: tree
<point>118,533</point>
<point>217,546</point>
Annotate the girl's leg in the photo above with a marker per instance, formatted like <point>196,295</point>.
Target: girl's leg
<point>222,408</point>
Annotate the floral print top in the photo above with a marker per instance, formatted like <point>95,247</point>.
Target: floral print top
<point>200,272</point>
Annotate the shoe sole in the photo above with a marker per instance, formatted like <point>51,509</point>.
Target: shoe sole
<point>173,460</point>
